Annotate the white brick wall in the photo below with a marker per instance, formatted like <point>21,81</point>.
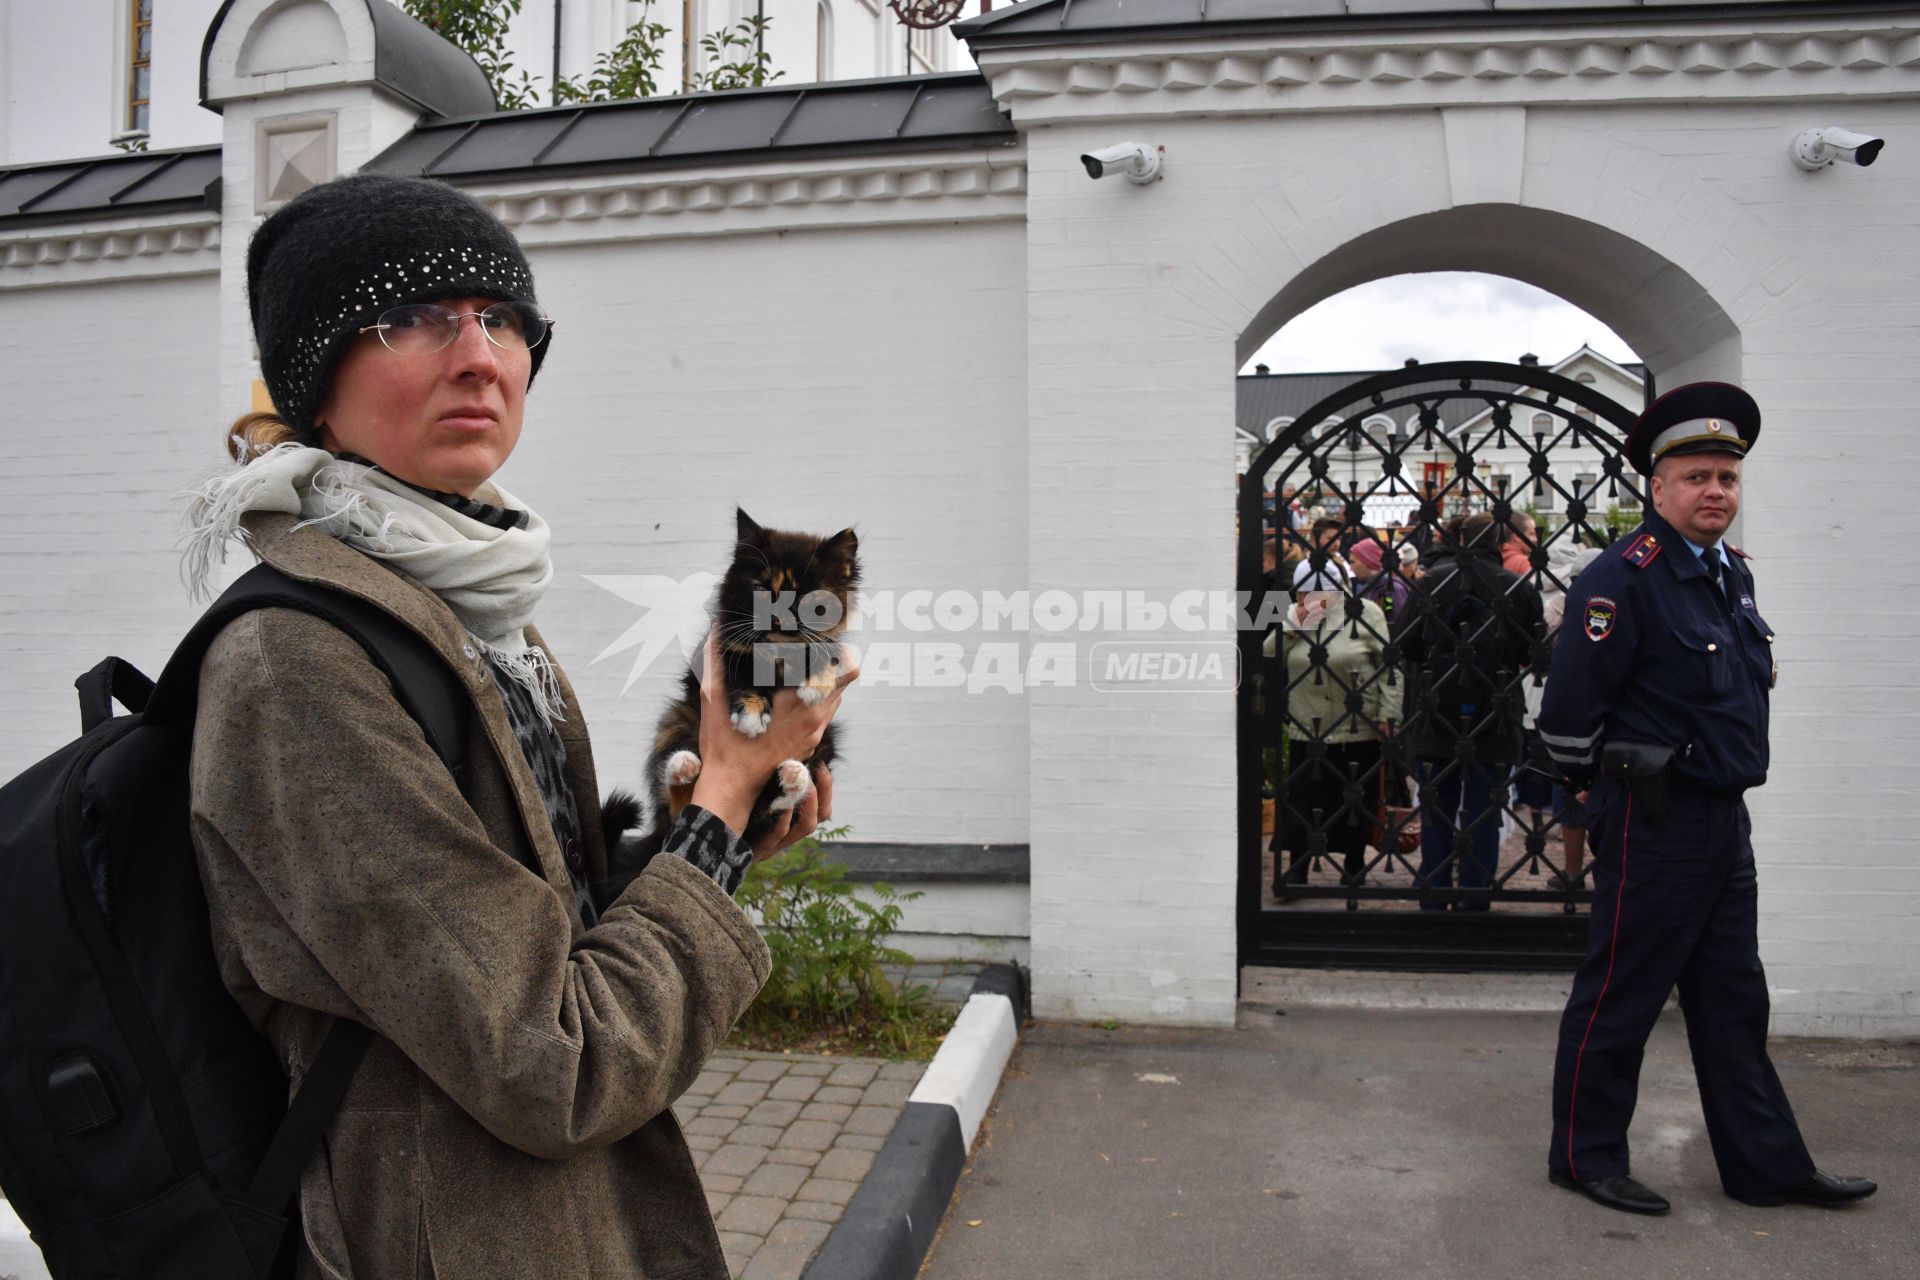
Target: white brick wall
<point>818,379</point>
<point>1049,404</point>
<point>1142,299</point>
<point>111,411</point>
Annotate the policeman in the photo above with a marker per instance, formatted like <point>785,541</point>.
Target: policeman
<point>1658,699</point>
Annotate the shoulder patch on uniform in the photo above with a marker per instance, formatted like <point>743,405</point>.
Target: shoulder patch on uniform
<point>1737,551</point>
<point>1600,616</point>
<point>1642,551</point>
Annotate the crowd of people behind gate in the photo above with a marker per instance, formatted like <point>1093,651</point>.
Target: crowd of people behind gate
<point>1414,666</point>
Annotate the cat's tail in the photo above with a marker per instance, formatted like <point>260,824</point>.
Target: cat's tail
<point>627,854</point>
<point>619,814</point>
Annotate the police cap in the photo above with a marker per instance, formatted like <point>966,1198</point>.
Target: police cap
<point>1701,417</point>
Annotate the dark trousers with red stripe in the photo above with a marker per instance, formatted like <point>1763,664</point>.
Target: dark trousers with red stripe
<point>1672,906</point>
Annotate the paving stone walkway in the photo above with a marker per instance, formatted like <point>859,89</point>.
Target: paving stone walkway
<point>947,982</point>
<point>783,1141</point>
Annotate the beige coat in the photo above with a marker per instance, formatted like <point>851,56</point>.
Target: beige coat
<point>1355,660</point>
<point>512,1117</point>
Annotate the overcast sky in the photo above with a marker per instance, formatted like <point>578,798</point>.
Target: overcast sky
<point>1436,315</point>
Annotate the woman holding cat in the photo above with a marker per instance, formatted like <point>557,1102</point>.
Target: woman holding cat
<point>533,1022</point>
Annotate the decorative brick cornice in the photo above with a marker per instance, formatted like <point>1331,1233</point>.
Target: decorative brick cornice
<point>124,249</point>
<point>963,186</point>
<point>1452,68</point>
<point>958,187</point>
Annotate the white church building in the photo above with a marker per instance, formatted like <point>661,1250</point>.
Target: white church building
<point>78,76</point>
<point>1267,403</point>
<point>904,304</point>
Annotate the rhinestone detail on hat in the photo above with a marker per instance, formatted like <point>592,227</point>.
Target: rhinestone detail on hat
<point>388,285</point>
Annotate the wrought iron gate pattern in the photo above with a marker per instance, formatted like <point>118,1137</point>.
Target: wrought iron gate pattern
<point>1448,675</point>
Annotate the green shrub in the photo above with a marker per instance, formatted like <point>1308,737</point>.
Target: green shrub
<point>829,946</point>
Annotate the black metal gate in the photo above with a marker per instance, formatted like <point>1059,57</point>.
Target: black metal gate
<point>1396,811</point>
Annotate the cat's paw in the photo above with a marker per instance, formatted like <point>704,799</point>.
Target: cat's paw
<point>753,716</point>
<point>682,768</point>
<point>819,685</point>
<point>795,782</point>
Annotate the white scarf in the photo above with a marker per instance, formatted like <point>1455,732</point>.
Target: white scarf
<point>491,578</point>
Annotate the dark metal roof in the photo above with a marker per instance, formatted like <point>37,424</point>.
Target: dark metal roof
<point>1262,397</point>
<point>1092,21</point>
<point>848,117</point>
<point>409,58</point>
<point>143,182</point>
<point>853,116</point>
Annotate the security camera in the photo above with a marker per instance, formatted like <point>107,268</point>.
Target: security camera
<point>1138,161</point>
<point>1817,148</point>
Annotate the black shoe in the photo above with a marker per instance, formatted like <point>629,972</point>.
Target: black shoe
<point>1822,1189</point>
<point>1621,1192</point>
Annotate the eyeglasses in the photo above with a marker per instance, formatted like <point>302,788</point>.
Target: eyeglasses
<point>422,328</point>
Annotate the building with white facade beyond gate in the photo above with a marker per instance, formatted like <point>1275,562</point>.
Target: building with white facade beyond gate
<point>905,305</point>
<point>79,75</point>
<point>1267,403</point>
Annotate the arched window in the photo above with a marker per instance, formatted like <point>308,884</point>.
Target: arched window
<point>1278,425</point>
<point>823,41</point>
<point>1379,427</point>
<point>1585,379</point>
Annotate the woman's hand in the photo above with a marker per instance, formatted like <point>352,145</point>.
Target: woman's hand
<point>734,767</point>
<point>795,825</point>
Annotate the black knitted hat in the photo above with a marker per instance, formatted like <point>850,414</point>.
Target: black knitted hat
<point>330,260</point>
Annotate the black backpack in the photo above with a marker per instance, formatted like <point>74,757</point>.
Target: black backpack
<point>145,1132</point>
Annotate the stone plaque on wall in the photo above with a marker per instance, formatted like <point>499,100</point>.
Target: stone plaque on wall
<point>291,153</point>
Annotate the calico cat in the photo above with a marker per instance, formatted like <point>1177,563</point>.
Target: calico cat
<point>780,610</point>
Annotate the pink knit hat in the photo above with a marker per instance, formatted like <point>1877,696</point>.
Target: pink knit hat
<point>1366,553</point>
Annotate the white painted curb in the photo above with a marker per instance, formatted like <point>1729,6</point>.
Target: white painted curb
<point>966,1072</point>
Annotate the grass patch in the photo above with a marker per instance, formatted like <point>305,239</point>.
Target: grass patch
<point>916,1040</point>
<point>827,992</point>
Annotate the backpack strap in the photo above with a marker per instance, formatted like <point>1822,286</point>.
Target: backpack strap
<point>308,1115</point>
<point>425,685</point>
<point>114,679</point>
<point>432,695</point>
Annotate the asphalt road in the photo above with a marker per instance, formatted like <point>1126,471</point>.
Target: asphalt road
<point>1342,1143</point>
<point>1356,1143</point>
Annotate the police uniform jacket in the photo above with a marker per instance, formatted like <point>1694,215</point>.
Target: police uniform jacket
<point>1651,652</point>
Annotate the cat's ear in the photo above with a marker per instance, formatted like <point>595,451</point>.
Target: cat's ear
<point>748,530</point>
<point>843,543</point>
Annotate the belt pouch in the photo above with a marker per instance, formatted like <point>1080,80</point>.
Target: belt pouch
<point>1645,768</point>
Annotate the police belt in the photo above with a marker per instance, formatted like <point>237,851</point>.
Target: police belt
<point>1647,770</point>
